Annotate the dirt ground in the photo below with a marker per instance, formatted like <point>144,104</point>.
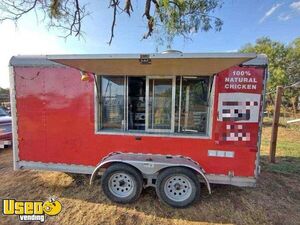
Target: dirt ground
<point>275,200</point>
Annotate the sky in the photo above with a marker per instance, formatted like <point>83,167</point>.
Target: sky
<point>244,22</point>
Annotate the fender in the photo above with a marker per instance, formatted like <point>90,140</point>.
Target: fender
<point>151,164</point>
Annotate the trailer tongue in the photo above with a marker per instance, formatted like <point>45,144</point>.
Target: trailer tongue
<point>170,121</point>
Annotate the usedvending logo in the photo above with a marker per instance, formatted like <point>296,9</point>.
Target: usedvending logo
<point>31,210</point>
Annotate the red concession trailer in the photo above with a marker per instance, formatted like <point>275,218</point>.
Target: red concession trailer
<point>171,121</point>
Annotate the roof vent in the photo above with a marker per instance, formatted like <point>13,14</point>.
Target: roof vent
<point>171,51</point>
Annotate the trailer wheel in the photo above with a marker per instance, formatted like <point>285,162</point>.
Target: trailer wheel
<point>122,183</point>
<point>178,187</point>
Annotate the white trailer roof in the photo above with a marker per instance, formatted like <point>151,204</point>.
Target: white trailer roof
<point>160,65</point>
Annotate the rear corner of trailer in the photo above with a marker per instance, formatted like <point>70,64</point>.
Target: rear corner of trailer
<point>13,112</point>
<point>240,97</point>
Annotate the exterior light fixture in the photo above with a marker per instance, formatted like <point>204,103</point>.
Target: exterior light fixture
<point>85,76</point>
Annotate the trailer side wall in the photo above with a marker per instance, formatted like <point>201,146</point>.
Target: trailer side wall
<point>56,122</point>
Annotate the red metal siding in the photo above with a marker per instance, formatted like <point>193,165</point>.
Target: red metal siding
<point>55,111</point>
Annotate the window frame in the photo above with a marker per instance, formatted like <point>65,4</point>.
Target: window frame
<point>181,104</point>
<point>173,133</point>
<point>99,104</point>
<point>172,129</point>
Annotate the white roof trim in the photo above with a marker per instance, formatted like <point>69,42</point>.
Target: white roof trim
<point>46,60</point>
<point>154,56</point>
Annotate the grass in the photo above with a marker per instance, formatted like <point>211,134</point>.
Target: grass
<point>288,147</point>
<point>275,200</point>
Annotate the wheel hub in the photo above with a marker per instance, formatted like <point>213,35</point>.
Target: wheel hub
<point>121,184</point>
<point>178,188</point>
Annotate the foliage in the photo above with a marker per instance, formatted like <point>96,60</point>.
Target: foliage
<point>164,17</point>
<point>4,96</point>
<point>284,66</point>
<point>293,72</point>
<point>4,91</point>
<point>183,18</point>
<point>293,61</point>
<point>277,56</point>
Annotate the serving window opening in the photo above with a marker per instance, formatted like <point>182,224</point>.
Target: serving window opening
<point>147,104</point>
<point>136,103</point>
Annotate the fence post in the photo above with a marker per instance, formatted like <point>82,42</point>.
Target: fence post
<point>279,91</point>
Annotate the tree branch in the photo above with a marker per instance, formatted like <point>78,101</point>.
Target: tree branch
<point>128,7</point>
<point>114,4</point>
<point>19,12</point>
<point>176,17</point>
<point>77,17</point>
<point>156,4</point>
<point>149,18</point>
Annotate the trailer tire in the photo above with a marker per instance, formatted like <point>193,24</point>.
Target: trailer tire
<point>122,183</point>
<point>178,187</point>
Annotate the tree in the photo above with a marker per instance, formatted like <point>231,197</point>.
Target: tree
<point>4,96</point>
<point>170,18</point>
<point>293,72</point>
<point>277,57</point>
<point>284,65</point>
<point>293,62</point>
